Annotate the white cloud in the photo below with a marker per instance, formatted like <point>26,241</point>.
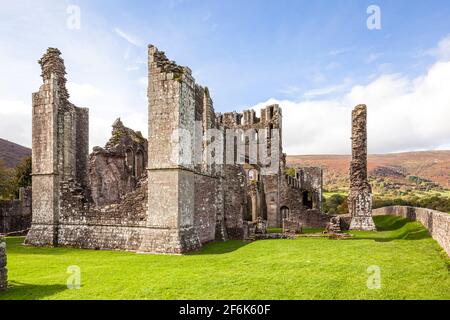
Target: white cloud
<point>372,57</point>
<point>15,121</point>
<point>404,114</point>
<point>82,92</point>
<point>323,91</point>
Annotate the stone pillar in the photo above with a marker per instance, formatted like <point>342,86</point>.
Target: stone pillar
<point>46,161</point>
<point>360,198</point>
<point>171,116</point>
<point>3,270</point>
<point>254,199</point>
<point>60,148</point>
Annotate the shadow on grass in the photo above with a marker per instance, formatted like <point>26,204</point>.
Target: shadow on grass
<point>220,247</point>
<point>22,291</point>
<point>15,245</point>
<point>392,228</point>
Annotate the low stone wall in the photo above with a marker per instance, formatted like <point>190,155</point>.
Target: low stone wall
<point>15,215</point>
<point>3,271</point>
<point>437,223</point>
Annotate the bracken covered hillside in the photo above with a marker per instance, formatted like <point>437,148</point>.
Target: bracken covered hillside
<point>401,171</point>
<point>11,153</point>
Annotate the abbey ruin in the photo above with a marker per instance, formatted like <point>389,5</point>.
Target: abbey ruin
<point>201,176</point>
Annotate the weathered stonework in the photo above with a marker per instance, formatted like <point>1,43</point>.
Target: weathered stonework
<point>172,193</point>
<point>15,215</point>
<point>59,144</point>
<point>114,171</point>
<point>3,270</point>
<point>360,197</point>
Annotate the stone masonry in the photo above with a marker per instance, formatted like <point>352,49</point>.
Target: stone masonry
<point>360,197</point>
<point>168,194</point>
<point>3,270</point>
<point>15,215</point>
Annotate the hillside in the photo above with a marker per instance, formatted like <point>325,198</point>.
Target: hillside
<point>11,153</point>
<point>422,171</point>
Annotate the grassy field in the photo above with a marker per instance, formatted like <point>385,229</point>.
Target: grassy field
<point>411,263</point>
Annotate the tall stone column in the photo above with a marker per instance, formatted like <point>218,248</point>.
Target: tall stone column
<point>60,145</point>
<point>360,198</point>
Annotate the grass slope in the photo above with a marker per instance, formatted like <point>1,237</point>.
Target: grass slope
<point>412,267</point>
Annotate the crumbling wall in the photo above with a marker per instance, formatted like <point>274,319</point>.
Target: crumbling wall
<point>253,143</point>
<point>296,191</point>
<point>115,170</point>
<point>360,197</point>
<point>15,215</point>
<point>60,132</point>
<point>119,226</point>
<point>3,270</point>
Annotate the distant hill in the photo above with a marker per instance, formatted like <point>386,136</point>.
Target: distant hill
<point>400,171</point>
<point>11,153</point>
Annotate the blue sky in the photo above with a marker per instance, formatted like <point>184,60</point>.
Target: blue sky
<point>313,57</point>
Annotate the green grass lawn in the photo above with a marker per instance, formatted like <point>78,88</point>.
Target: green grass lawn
<point>411,263</point>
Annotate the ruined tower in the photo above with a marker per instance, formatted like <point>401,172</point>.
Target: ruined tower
<point>360,198</point>
<point>59,145</point>
<point>171,177</point>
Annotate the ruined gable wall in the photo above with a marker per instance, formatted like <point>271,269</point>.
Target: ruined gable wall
<point>308,179</point>
<point>248,123</point>
<point>115,170</point>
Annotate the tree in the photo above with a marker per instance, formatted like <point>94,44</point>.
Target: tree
<point>6,182</point>
<point>23,174</point>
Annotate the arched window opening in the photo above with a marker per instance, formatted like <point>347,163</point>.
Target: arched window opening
<point>284,212</point>
<point>130,159</point>
<point>308,199</point>
<point>140,165</point>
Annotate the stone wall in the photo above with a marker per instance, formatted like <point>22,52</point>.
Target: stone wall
<point>15,215</point>
<point>437,223</point>
<point>3,270</point>
<point>235,200</point>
